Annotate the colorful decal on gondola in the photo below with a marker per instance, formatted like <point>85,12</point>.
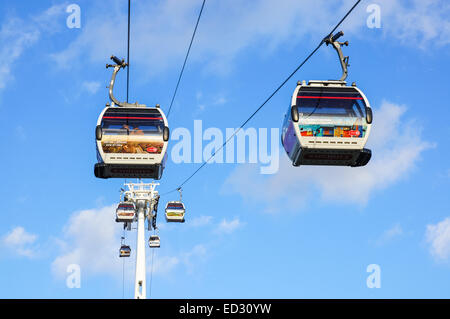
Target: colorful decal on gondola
<point>114,145</point>
<point>317,130</point>
<point>135,131</point>
<point>174,214</point>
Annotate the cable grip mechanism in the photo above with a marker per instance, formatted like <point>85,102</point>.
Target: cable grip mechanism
<point>333,40</point>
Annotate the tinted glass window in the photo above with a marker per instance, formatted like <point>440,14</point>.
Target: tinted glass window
<point>176,206</point>
<point>122,121</point>
<point>330,102</point>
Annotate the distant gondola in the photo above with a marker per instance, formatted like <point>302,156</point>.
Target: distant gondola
<point>125,251</point>
<point>154,241</point>
<point>125,212</point>
<point>175,211</point>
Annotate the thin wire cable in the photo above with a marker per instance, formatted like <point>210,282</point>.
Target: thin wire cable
<point>185,59</point>
<point>151,272</point>
<point>128,54</point>
<point>123,279</point>
<point>267,100</point>
<point>128,50</point>
<point>123,266</point>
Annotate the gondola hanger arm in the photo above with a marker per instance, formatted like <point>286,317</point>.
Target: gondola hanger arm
<point>333,40</point>
<point>119,65</point>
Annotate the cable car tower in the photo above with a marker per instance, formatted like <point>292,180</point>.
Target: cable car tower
<point>145,197</point>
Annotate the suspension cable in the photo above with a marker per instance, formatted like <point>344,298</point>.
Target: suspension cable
<point>123,278</point>
<point>267,100</point>
<point>185,59</point>
<point>128,50</point>
<point>128,88</point>
<point>151,271</point>
<point>123,264</point>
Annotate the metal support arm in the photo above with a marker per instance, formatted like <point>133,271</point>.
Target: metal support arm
<point>119,64</point>
<point>330,39</point>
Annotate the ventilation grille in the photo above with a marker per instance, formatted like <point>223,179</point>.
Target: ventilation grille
<point>332,142</point>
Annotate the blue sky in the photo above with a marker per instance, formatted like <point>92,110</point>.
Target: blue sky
<point>304,232</point>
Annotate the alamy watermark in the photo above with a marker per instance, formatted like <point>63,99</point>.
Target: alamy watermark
<point>374,18</point>
<point>74,18</point>
<point>374,279</point>
<point>74,278</point>
<point>249,145</point>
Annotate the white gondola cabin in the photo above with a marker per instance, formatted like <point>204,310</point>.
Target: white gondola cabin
<point>125,212</point>
<point>125,251</point>
<point>327,123</point>
<point>131,139</point>
<point>154,241</point>
<point>131,143</point>
<point>175,211</point>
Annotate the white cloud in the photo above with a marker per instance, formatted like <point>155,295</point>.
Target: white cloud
<point>396,145</point>
<point>192,257</point>
<point>390,234</point>
<point>20,241</point>
<point>91,86</point>
<point>220,100</point>
<point>15,37</point>
<point>165,265</point>
<point>229,27</point>
<point>52,20</point>
<point>91,239</point>
<point>417,22</point>
<point>200,221</point>
<point>227,227</point>
<point>162,265</point>
<point>438,236</point>
<point>210,101</point>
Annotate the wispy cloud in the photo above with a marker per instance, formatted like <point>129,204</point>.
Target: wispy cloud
<point>421,23</point>
<point>228,226</point>
<point>52,20</point>
<point>438,237</point>
<point>90,239</point>
<point>209,101</point>
<point>229,27</point>
<point>91,86</point>
<point>15,38</point>
<point>165,265</point>
<point>200,221</point>
<point>19,34</point>
<point>396,145</point>
<point>20,242</point>
<point>390,234</point>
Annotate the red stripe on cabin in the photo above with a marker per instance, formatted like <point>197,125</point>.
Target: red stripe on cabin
<point>132,118</point>
<point>330,97</point>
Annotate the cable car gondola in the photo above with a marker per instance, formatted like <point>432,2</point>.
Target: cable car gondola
<point>328,122</point>
<point>125,251</point>
<point>175,212</point>
<point>153,241</point>
<point>125,212</point>
<point>131,139</point>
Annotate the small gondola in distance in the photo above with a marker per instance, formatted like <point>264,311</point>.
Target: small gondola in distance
<point>175,211</point>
